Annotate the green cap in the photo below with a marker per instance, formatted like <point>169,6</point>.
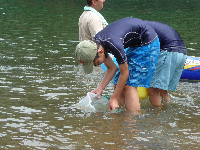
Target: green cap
<point>86,51</point>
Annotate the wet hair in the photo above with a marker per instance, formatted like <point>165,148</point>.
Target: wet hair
<point>89,2</point>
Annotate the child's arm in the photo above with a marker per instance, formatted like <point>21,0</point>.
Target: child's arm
<point>124,73</point>
<point>110,72</point>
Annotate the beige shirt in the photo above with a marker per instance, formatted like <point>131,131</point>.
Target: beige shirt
<point>89,25</point>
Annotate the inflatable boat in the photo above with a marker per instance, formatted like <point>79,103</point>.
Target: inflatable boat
<point>191,69</point>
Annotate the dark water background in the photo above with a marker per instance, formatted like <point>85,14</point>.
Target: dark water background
<point>40,80</point>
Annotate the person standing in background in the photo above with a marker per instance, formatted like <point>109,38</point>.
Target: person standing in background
<point>91,21</point>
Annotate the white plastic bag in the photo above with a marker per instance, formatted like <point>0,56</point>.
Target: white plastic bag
<point>91,103</point>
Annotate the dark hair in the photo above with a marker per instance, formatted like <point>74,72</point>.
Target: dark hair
<point>89,2</point>
<point>98,45</point>
<point>97,56</point>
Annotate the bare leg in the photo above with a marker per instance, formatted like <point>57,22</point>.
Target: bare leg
<point>154,96</point>
<point>131,98</point>
<point>164,94</point>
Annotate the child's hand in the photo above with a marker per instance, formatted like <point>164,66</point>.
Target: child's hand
<point>113,104</point>
<point>97,91</point>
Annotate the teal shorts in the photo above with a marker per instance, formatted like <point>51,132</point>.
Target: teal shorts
<point>168,70</point>
<point>142,63</point>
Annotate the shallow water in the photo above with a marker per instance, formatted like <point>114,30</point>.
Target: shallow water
<point>40,81</point>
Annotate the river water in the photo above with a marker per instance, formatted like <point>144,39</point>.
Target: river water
<point>40,80</point>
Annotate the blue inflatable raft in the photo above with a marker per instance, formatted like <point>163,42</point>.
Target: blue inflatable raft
<point>191,69</point>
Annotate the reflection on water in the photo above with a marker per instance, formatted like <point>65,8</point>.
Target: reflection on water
<point>40,81</point>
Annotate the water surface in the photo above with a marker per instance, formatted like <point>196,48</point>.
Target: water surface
<point>40,81</point>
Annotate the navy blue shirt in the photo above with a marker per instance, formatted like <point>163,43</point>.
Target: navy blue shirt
<point>124,33</point>
<point>170,40</point>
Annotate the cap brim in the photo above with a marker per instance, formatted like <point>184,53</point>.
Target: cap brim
<point>87,68</point>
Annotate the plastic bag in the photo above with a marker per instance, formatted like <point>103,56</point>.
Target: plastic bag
<point>91,103</point>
